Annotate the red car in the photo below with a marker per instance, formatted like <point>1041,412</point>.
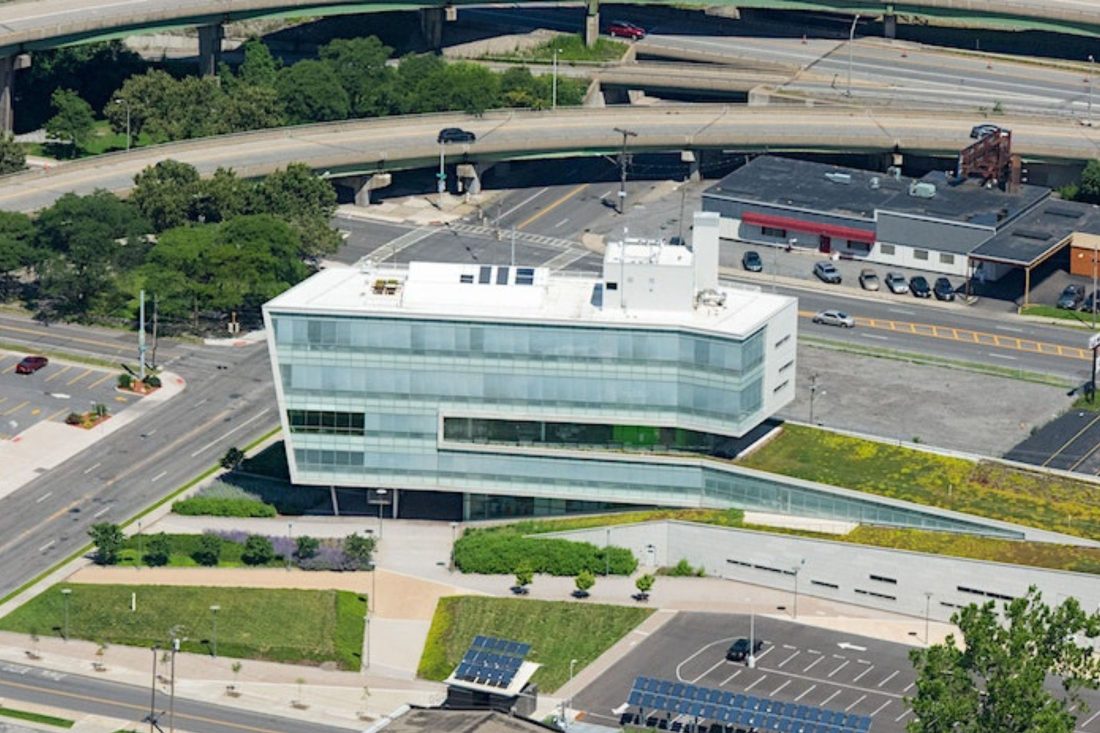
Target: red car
<point>622,29</point>
<point>31,364</point>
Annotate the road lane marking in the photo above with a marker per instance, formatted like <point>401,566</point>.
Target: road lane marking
<point>776,690</point>
<point>697,652</point>
<point>830,697</point>
<point>78,377</point>
<point>159,476</point>
<point>89,469</point>
<point>1091,718</point>
<point>562,222</point>
<point>716,665</point>
<point>809,689</point>
<point>878,710</point>
<point>42,498</point>
<point>843,664</point>
<point>900,717</point>
<point>754,684</point>
<point>857,702</point>
<point>909,687</point>
<point>230,432</point>
<point>860,675</point>
<point>101,512</point>
<point>730,678</point>
<point>812,664</point>
<point>523,203</point>
<point>1000,356</point>
<point>892,676</point>
<point>789,658</point>
<point>764,653</point>
<point>47,546</point>
<point>875,336</point>
<point>539,214</point>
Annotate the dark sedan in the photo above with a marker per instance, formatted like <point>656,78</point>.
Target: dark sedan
<point>1071,297</point>
<point>943,289</point>
<point>739,649</point>
<point>918,286</point>
<point>751,261</point>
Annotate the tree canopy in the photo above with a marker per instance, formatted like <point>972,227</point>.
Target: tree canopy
<point>73,120</point>
<point>993,679</point>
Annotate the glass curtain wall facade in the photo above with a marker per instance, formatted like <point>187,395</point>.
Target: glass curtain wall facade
<point>529,417</point>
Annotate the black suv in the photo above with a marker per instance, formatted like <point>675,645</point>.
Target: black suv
<point>1071,297</point>
<point>739,649</point>
<point>943,289</point>
<point>918,286</point>
<point>455,135</point>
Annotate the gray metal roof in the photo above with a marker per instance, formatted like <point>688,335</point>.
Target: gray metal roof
<point>439,720</point>
<point>967,201</point>
<point>809,186</point>
<point>1038,232</point>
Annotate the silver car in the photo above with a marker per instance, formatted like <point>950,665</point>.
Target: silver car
<point>835,318</point>
<point>897,283</point>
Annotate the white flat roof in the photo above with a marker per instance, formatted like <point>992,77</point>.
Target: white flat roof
<point>437,290</point>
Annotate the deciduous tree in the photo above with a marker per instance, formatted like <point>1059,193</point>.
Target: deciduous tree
<point>311,92</point>
<point>73,119</point>
<point>12,156</point>
<point>108,540</point>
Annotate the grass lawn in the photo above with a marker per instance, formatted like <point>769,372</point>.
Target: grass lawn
<point>556,630</point>
<point>293,626</point>
<point>183,545</point>
<point>1049,311</point>
<point>985,489</point>
<point>572,48</point>
<point>102,140</point>
<point>36,717</point>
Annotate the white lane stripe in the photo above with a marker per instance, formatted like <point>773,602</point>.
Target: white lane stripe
<point>754,684</point>
<point>809,689</point>
<point>789,659</point>
<point>89,469</point>
<point>909,687</point>
<point>843,664</point>
<point>715,666</point>
<point>1000,356</point>
<point>812,664</point>
<point>101,512</point>
<point>47,546</point>
<point>764,653</point>
<point>857,702</point>
<point>873,336</point>
<point>899,718</point>
<point>225,435</point>
<point>728,679</point>
<point>776,690</point>
<point>1092,718</point>
<point>523,203</point>
<point>830,697</point>
<point>892,676</point>
<point>42,498</point>
<point>860,675</point>
<point>878,710</point>
<point>159,476</point>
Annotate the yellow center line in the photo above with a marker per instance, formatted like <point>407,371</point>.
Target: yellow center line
<point>58,373</point>
<point>539,214</point>
<point>78,377</point>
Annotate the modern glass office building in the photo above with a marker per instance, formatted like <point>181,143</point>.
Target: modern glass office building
<point>472,391</point>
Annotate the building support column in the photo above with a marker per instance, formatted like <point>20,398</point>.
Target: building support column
<point>210,48</point>
<point>694,169</point>
<point>8,66</point>
<point>469,177</point>
<point>591,22</point>
<point>890,23</point>
<point>431,27</point>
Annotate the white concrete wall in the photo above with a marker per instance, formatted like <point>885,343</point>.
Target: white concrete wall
<point>780,359</point>
<point>906,256</point>
<point>841,571</point>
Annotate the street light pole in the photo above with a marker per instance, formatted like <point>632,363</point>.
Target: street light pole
<point>172,688</point>
<point>1089,115</point>
<point>554,81</point>
<point>454,533</point>
<point>214,636</point>
<point>752,639</point>
<point>627,134</point>
<point>290,541</point>
<point>607,554</point>
<point>381,502</point>
<point>851,40</point>
<point>441,187</point>
<point>65,593</point>
<point>572,662</point>
<point>813,391</point>
<point>927,610</point>
<point>126,102</point>
<point>795,570</point>
<point>153,693</point>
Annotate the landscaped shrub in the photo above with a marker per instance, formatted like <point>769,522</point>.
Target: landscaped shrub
<point>158,550</point>
<point>306,547</point>
<point>125,381</point>
<point>152,381</point>
<point>257,551</point>
<point>499,551</point>
<point>209,550</point>
<point>214,507</point>
<point>683,569</point>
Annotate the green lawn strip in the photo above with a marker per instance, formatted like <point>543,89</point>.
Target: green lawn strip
<point>37,717</point>
<point>928,360</point>
<point>1080,318</point>
<point>183,547</point>
<point>280,625</point>
<point>571,47</point>
<point>984,489</point>
<point>557,631</point>
<point>144,512</point>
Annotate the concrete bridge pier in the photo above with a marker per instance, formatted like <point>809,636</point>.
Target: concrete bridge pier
<point>210,48</point>
<point>469,177</point>
<point>363,185</point>
<point>890,23</point>
<point>431,27</point>
<point>8,66</point>
<point>591,22</point>
<point>695,172</point>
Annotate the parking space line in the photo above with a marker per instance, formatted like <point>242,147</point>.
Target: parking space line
<point>892,676</point>
<point>717,664</point>
<point>58,373</point>
<point>900,717</point>
<point>909,687</point>
<point>60,412</point>
<point>754,684</point>
<point>844,664</point>
<point>1092,718</point>
<point>808,690</point>
<point>78,377</point>
<point>878,710</point>
<point>812,664</point>
<point>830,697</point>
<point>100,381</point>
<point>776,690</point>
<point>857,702</point>
<point>725,681</point>
<point>18,407</point>
<point>860,675</point>
<point>789,658</point>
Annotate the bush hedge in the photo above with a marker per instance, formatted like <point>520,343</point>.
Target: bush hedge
<point>218,507</point>
<point>500,550</point>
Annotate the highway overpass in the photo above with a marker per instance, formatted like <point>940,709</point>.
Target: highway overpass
<point>363,147</point>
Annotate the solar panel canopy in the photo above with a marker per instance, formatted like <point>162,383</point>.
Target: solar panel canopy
<point>491,661</point>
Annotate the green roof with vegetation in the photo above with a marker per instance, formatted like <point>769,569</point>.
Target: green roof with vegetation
<point>557,631</point>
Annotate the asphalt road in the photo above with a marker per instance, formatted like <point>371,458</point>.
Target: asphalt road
<point>125,702</point>
<point>803,664</point>
<point>229,401</point>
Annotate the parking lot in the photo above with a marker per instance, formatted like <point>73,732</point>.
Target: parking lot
<point>807,665</point>
<point>52,393</point>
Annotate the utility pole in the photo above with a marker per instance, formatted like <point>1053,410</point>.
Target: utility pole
<point>1088,117</point>
<point>813,391</point>
<point>153,693</point>
<point>627,134</point>
<point>683,199</point>
<point>554,83</point>
<point>851,40</point>
<point>154,330</point>
<point>141,337</point>
<point>172,688</point>
<point>927,610</point>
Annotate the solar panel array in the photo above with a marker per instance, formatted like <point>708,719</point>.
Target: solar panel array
<point>492,662</point>
<point>728,708</point>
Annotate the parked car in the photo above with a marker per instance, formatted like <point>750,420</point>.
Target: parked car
<point>623,29</point>
<point>897,284</point>
<point>943,289</point>
<point>31,364</point>
<point>868,279</point>
<point>1071,297</point>
<point>918,286</point>
<point>827,272</point>
<point>979,131</point>
<point>455,135</point>
<point>834,318</point>
<point>740,649</point>
<point>751,261</point>
<point>1086,304</point>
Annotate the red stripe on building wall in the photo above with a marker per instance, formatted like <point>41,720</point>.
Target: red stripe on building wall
<point>812,227</point>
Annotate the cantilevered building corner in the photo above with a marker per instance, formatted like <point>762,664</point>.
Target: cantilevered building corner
<point>471,390</point>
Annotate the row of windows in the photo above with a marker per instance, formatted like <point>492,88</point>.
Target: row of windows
<point>918,254</point>
<point>322,458</point>
<point>505,339</point>
<point>325,421</point>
